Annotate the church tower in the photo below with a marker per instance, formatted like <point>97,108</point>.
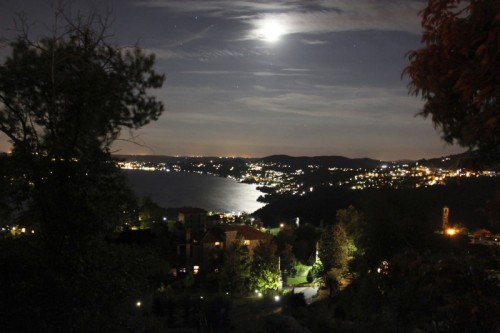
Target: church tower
<point>446,213</point>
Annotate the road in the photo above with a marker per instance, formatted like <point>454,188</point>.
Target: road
<point>309,293</point>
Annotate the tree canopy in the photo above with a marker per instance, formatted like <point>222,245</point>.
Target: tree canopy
<point>235,273</point>
<point>63,101</point>
<point>456,73</point>
<point>65,96</point>
<point>334,248</point>
<point>265,272</point>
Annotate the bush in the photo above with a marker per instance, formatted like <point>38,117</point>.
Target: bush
<point>310,277</point>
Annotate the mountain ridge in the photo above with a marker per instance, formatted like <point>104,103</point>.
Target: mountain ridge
<point>303,161</point>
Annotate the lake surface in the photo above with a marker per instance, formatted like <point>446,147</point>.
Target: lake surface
<point>172,189</point>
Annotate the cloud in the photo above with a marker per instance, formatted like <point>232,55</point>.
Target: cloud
<point>374,15</point>
<point>200,55</point>
<point>271,74</point>
<point>192,37</point>
<point>296,70</point>
<point>299,17</point>
<point>212,72</point>
<point>351,104</point>
<point>299,104</point>
<point>219,7</point>
<point>313,42</point>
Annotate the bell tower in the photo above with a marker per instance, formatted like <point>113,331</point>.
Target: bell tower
<point>446,213</point>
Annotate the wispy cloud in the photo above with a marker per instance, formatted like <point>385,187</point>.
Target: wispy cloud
<point>363,104</point>
<point>300,17</point>
<point>296,70</point>
<point>212,72</point>
<point>279,74</point>
<point>200,55</point>
<point>219,7</point>
<point>192,37</point>
<point>313,41</point>
<point>399,17</point>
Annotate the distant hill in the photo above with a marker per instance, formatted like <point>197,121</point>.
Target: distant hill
<point>446,162</point>
<point>331,161</point>
<point>177,159</point>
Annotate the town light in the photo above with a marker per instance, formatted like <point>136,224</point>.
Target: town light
<point>451,232</point>
<point>138,304</point>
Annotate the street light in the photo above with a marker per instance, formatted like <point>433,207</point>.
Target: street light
<point>451,232</point>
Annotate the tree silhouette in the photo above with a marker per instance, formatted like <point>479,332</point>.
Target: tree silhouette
<point>456,73</point>
<point>234,276</point>
<point>63,101</point>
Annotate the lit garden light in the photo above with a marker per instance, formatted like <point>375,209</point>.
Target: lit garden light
<point>451,232</point>
<point>138,304</point>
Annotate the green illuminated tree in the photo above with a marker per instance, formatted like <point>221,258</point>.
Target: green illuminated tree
<point>265,274</point>
<point>456,73</point>
<point>334,248</point>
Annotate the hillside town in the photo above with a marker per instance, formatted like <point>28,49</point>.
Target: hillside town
<point>275,177</point>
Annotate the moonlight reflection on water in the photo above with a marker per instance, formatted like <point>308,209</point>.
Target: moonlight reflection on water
<point>171,190</point>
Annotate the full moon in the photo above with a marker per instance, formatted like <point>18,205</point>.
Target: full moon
<point>271,31</point>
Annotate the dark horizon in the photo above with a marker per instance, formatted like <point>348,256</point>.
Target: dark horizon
<point>292,156</point>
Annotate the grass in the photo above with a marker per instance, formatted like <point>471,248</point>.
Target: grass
<point>274,231</point>
<point>302,277</point>
<point>296,280</point>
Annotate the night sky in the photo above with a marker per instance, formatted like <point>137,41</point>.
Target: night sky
<point>255,78</point>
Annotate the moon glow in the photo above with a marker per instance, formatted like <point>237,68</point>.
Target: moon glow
<point>271,31</point>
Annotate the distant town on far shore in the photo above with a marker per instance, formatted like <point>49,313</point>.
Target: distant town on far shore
<point>282,174</point>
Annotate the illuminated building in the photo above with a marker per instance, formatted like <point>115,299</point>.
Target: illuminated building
<point>446,212</point>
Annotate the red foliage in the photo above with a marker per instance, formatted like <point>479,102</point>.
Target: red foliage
<point>457,72</point>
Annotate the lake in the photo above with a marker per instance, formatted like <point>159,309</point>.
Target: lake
<point>177,189</point>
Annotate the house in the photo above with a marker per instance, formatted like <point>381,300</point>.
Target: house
<point>187,252</point>
<point>222,236</point>
<point>196,251</point>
